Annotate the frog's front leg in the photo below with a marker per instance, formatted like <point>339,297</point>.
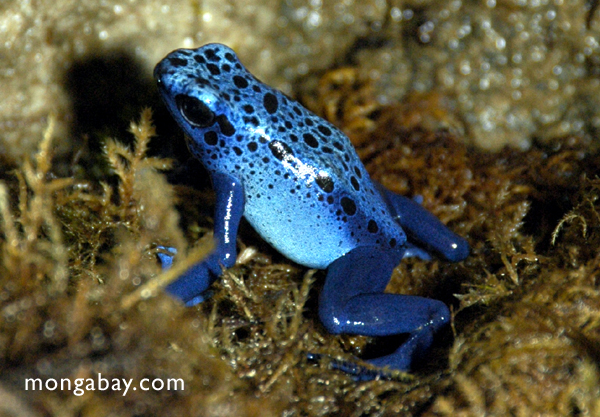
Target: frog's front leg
<point>352,301</point>
<point>228,212</point>
<point>424,229</point>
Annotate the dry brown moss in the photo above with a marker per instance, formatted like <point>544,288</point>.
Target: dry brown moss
<point>526,327</point>
<point>80,288</point>
<point>78,273</point>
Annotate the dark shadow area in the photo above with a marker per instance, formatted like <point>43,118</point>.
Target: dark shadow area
<point>558,182</point>
<point>108,91</point>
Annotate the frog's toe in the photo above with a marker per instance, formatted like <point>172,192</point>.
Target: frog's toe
<point>357,371</point>
<point>415,251</point>
<point>166,256</point>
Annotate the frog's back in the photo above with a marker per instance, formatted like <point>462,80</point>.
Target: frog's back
<point>306,190</point>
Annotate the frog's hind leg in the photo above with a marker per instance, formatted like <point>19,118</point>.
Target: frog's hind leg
<point>423,229</point>
<point>352,301</point>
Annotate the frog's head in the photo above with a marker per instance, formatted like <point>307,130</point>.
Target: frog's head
<point>194,84</point>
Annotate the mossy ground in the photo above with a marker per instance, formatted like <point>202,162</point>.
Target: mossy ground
<point>81,291</point>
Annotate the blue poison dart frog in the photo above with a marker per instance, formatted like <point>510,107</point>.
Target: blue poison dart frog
<point>299,182</point>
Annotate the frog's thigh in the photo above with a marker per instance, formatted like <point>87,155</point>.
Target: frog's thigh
<point>352,301</point>
<point>424,228</point>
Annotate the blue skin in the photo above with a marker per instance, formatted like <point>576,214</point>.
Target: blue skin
<point>299,182</point>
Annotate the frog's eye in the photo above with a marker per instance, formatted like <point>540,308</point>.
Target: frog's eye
<point>194,111</point>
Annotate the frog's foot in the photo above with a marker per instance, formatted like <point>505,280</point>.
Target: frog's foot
<point>352,301</point>
<point>358,372</point>
<point>166,256</point>
<point>423,229</point>
<point>193,286</point>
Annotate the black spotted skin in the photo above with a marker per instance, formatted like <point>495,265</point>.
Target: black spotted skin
<point>306,191</point>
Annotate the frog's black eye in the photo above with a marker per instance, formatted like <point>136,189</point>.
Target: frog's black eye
<point>194,111</point>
